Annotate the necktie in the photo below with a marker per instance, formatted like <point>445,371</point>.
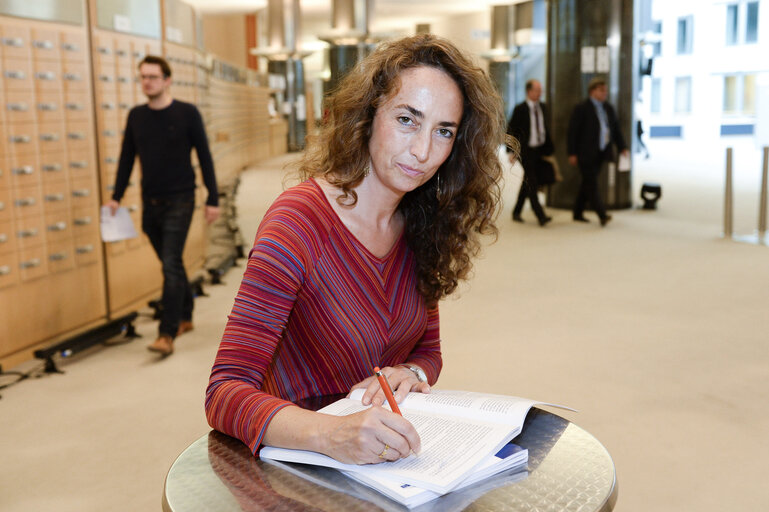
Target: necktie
<point>536,125</point>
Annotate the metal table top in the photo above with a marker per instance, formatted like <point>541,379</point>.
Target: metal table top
<point>568,470</point>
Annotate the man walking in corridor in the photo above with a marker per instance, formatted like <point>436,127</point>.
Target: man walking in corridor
<point>593,131</point>
<point>163,132</point>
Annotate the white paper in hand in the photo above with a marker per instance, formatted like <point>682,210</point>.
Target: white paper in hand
<point>116,227</point>
<point>624,162</point>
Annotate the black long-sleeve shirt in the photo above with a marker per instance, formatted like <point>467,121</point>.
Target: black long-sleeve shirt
<point>164,140</point>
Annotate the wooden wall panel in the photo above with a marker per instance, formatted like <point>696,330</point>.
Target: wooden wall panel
<point>224,35</point>
<point>64,104</point>
<point>51,270</point>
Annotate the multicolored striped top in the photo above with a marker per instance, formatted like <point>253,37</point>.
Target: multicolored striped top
<point>316,311</point>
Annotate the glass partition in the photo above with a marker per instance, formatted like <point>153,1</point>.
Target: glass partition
<point>63,11</point>
<point>137,17</point>
<point>180,22</point>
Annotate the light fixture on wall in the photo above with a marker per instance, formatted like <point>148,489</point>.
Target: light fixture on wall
<point>501,54</point>
<point>279,54</point>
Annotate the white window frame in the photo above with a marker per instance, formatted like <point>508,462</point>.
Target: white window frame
<point>739,95</point>
<point>733,24</point>
<point>655,104</point>
<point>740,31</point>
<point>677,106</point>
<point>688,40</point>
<point>758,19</point>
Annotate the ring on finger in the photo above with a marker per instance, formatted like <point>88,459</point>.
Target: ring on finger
<point>384,452</point>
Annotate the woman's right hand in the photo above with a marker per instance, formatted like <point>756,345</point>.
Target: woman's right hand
<point>358,438</point>
<point>362,437</point>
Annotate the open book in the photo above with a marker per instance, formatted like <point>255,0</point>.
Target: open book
<point>510,460</point>
<point>371,489</point>
<point>461,433</point>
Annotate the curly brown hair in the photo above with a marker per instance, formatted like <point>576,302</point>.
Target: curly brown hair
<point>445,217</point>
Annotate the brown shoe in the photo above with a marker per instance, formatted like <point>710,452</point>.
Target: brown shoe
<point>164,345</point>
<point>184,326</point>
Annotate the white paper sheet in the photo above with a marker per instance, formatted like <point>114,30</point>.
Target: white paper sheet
<point>602,59</point>
<point>587,59</point>
<point>116,227</point>
<point>624,162</point>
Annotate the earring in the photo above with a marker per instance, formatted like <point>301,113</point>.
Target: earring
<point>438,187</point>
<point>366,170</point>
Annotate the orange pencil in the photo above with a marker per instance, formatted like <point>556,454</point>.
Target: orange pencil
<point>387,390</point>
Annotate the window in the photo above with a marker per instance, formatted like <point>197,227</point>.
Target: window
<point>657,45</point>
<point>737,31</point>
<point>740,94</point>
<point>731,24</point>
<point>656,95</point>
<point>730,94</point>
<point>749,94</point>
<point>684,43</point>
<point>751,23</point>
<point>683,102</point>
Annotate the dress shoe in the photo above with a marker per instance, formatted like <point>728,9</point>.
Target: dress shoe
<point>605,219</point>
<point>544,220</point>
<point>164,345</point>
<point>517,218</point>
<point>184,326</point>
<point>580,219</point>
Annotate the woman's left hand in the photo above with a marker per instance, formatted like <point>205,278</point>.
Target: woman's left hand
<point>401,380</point>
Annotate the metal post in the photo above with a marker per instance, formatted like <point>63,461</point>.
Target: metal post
<point>762,203</point>
<point>728,195</point>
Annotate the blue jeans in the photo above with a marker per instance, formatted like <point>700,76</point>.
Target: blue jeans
<point>166,221</point>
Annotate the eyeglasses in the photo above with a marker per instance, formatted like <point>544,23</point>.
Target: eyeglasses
<point>151,77</point>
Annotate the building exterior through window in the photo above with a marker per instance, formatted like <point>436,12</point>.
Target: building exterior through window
<point>709,69</point>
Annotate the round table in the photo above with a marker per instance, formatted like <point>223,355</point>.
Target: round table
<point>568,470</point>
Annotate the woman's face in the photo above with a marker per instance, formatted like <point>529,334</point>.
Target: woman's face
<point>413,131</point>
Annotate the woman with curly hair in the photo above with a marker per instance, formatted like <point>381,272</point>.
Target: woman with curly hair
<point>348,267</point>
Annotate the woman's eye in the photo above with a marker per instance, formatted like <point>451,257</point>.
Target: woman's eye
<point>405,120</point>
<point>445,132</point>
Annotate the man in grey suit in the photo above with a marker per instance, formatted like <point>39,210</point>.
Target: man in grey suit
<point>593,130</point>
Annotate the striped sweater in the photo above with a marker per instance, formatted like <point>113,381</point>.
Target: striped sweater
<point>316,311</point>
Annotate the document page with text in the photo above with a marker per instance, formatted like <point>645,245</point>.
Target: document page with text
<point>451,448</point>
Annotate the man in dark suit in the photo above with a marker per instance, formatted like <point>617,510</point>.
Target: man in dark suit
<point>528,125</point>
<point>593,129</point>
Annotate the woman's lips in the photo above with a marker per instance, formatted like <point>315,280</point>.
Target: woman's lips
<point>410,170</point>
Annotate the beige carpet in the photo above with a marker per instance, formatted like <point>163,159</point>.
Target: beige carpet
<point>655,328</point>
